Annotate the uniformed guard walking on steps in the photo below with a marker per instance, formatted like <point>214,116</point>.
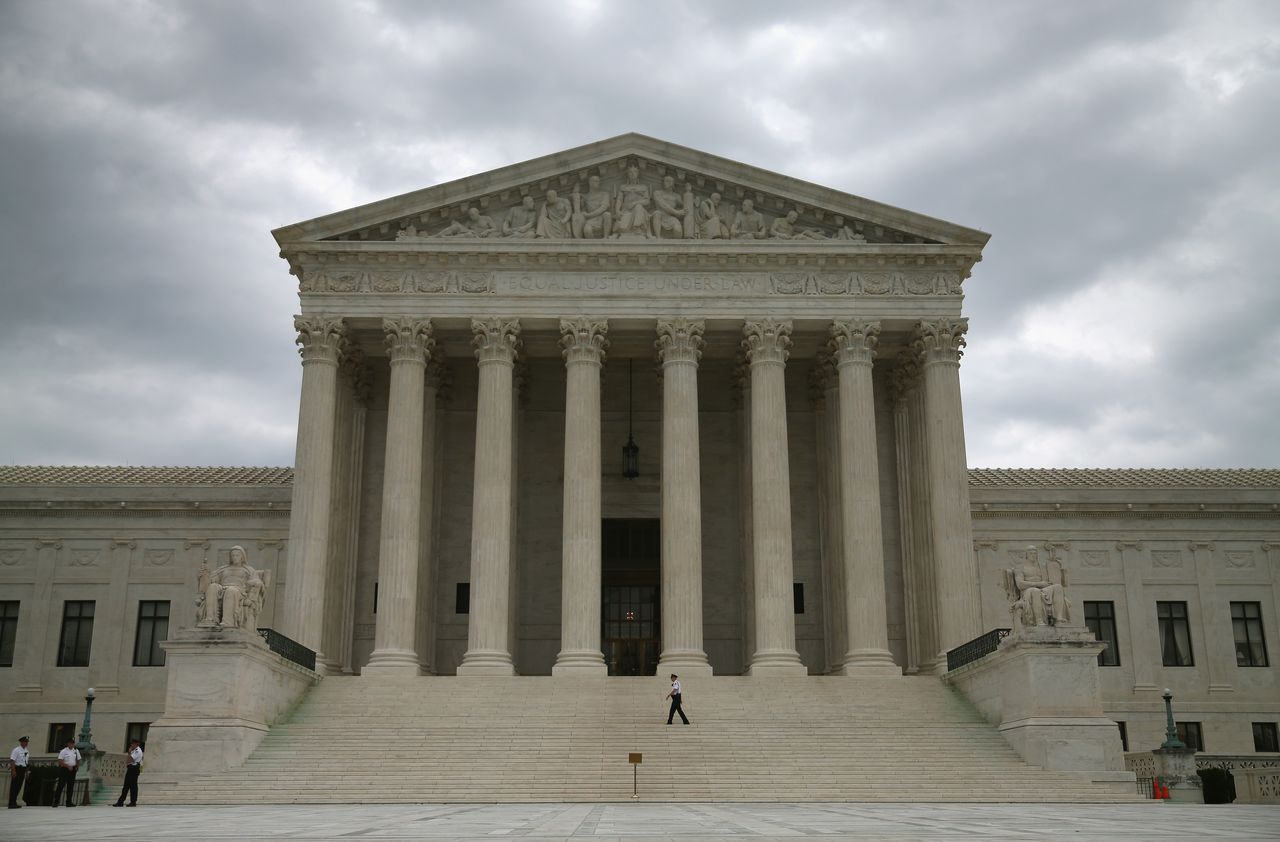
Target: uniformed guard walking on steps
<point>674,696</point>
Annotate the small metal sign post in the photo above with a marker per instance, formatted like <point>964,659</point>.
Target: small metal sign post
<point>635,758</point>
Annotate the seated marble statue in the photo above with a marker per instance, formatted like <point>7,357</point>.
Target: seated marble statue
<point>1037,592</point>
<point>555,218</point>
<point>592,219</point>
<point>631,206</point>
<point>669,213</point>
<point>522,220</point>
<point>748,223</point>
<point>232,595</point>
<point>711,226</point>
<point>784,228</point>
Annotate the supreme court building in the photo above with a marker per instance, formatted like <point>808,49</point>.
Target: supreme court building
<point>629,409</point>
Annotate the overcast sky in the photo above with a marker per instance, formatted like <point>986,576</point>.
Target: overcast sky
<point>1122,154</point>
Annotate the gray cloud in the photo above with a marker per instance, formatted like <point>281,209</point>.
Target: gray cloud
<point>1119,153</point>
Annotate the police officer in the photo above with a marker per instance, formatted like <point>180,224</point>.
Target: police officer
<point>674,696</point>
<point>130,787</point>
<point>68,763</point>
<point>19,759</point>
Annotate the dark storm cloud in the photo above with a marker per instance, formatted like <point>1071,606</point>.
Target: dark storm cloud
<point>1119,153</point>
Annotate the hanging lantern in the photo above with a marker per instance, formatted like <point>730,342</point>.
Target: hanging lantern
<point>630,450</point>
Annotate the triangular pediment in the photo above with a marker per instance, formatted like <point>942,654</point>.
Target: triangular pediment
<point>629,188</point>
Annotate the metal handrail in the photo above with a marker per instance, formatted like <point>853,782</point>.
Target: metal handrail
<point>979,647</point>
<point>290,650</point>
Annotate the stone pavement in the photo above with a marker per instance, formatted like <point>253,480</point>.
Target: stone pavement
<point>649,822</point>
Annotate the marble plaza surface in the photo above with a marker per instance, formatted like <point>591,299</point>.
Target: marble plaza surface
<point>1151,821</point>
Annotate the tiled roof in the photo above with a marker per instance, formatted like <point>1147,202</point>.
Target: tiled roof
<point>978,477</point>
<point>1084,478</point>
<point>116,475</point>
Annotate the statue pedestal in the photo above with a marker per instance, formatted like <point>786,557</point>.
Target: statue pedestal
<point>1176,767</point>
<point>225,689</point>
<point>1041,688</point>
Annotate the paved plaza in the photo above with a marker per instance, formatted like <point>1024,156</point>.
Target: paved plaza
<point>647,822</point>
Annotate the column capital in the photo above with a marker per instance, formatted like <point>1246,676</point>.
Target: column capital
<point>766,341</point>
<point>321,338</point>
<point>407,339</point>
<point>680,340</point>
<point>940,341</point>
<point>854,342</point>
<point>584,340</point>
<point>496,340</point>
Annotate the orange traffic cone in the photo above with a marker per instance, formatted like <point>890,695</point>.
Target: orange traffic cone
<point>1155,789</point>
<point>1164,791</point>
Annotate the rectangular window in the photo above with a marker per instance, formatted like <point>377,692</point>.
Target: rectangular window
<point>1175,634</point>
<point>153,627</point>
<point>1100,617</point>
<point>77,634</point>
<point>136,731</point>
<point>59,733</point>
<point>1124,736</point>
<point>797,596</point>
<point>8,631</point>
<point>1265,737</point>
<point>1191,734</point>
<point>462,599</point>
<point>1246,622</point>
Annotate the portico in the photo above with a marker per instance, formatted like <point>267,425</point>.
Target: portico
<point>796,401</point>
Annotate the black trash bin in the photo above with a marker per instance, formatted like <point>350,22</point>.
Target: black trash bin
<point>1218,785</point>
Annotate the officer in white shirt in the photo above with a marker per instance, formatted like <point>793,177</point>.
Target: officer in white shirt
<point>130,787</point>
<point>68,762</point>
<point>19,760</point>
<point>674,696</point>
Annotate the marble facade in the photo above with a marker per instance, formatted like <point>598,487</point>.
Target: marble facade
<point>794,390</point>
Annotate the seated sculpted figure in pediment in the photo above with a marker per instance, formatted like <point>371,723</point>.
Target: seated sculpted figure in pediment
<point>592,219</point>
<point>748,223</point>
<point>631,206</point>
<point>521,220</point>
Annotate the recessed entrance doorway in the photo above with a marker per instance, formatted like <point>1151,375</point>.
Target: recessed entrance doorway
<point>631,610</point>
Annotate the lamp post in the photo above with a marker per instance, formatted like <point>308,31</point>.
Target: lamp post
<point>85,744</point>
<point>1171,730</point>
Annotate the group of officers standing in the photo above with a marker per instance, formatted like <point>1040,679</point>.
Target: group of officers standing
<point>69,760</point>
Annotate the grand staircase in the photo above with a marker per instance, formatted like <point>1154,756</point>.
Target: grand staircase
<point>445,739</point>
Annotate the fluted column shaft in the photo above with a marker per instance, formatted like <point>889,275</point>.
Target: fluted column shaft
<point>408,343</point>
<point>679,347</point>
<point>584,344</point>
<point>766,345</point>
<point>853,346</point>
<point>496,342</point>
<point>322,342</point>
<point>938,346</point>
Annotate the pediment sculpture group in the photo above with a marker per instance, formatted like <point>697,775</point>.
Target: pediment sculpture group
<point>633,211</point>
<point>231,596</point>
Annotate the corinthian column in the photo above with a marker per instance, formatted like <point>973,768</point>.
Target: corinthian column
<point>679,348</point>
<point>584,345</point>
<point>853,347</point>
<point>938,346</point>
<point>408,344</point>
<point>323,341</point>
<point>496,342</point>
<point>766,345</point>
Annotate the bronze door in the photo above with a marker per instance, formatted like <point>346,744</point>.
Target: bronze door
<point>631,617</point>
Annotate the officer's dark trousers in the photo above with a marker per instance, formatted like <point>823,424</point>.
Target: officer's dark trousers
<point>675,708</point>
<point>130,787</point>
<point>15,784</point>
<point>67,780</point>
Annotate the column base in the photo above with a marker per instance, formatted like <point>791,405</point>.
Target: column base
<point>392,662</point>
<point>684,662</point>
<point>870,662</point>
<point>777,662</point>
<point>486,662</point>
<point>579,663</point>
